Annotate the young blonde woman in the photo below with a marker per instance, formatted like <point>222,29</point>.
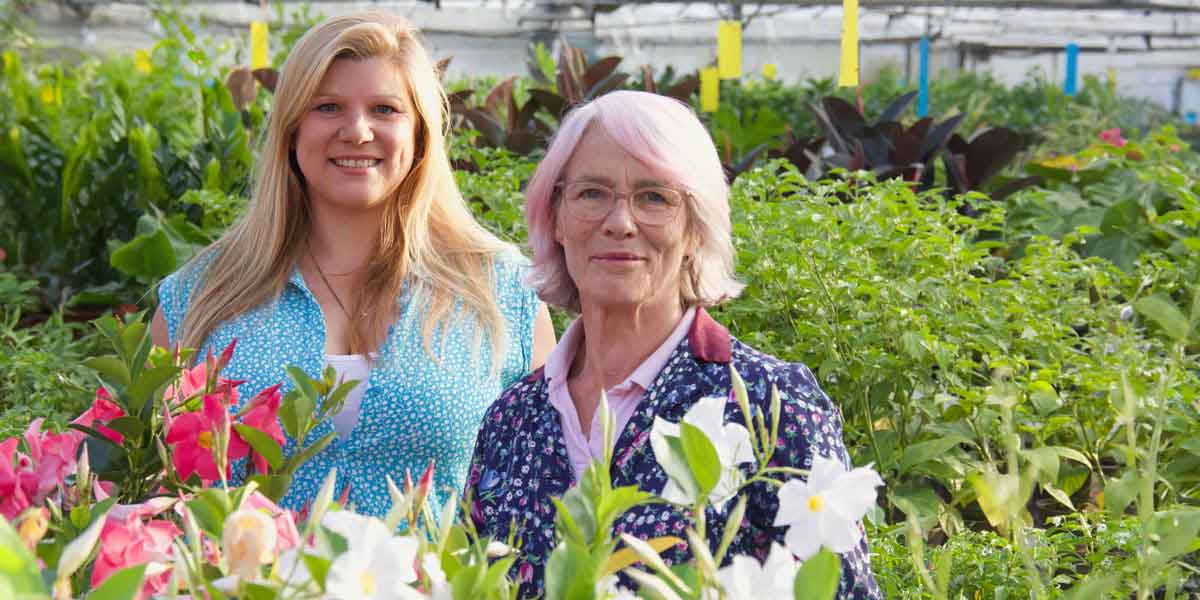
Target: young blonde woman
<point>358,251</point>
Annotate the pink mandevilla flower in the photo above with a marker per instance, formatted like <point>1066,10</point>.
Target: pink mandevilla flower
<point>194,436</point>
<point>102,410</point>
<point>128,539</point>
<point>262,413</point>
<point>1113,136</point>
<point>13,500</point>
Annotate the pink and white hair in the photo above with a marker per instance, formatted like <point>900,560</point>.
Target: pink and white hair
<point>663,134</point>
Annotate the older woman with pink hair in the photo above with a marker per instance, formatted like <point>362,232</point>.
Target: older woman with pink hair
<point>629,222</point>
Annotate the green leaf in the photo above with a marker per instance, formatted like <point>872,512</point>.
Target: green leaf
<point>111,368</point>
<point>210,508</point>
<point>150,383</point>
<point>1095,586</point>
<point>818,577</point>
<point>1166,315</point>
<point>311,451</point>
<point>1043,396</point>
<point>262,444</point>
<point>570,574</point>
<point>130,427</point>
<point>318,567</point>
<point>702,458</point>
<point>18,567</point>
<point>1119,493</point>
<point>922,452</point>
<point>122,585</point>
<point>147,256</point>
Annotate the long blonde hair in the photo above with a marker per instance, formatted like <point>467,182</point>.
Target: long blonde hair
<point>428,237</point>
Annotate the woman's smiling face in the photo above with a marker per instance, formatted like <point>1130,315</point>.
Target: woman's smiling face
<point>618,261</point>
<point>356,141</point>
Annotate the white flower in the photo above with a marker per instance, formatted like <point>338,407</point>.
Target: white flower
<point>358,530</point>
<point>746,578</point>
<point>374,572</point>
<point>731,441</point>
<point>826,509</point>
<point>374,565</point>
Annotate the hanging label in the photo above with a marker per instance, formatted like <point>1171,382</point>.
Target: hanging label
<point>729,49</point>
<point>710,89</point>
<point>923,80</point>
<point>848,73</point>
<point>1070,83</point>
<point>259,46</point>
<point>769,71</point>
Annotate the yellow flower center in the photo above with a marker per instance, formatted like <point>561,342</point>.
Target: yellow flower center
<point>368,584</point>
<point>205,439</point>
<point>816,504</point>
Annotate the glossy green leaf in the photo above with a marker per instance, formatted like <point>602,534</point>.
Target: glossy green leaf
<point>125,584</point>
<point>702,458</point>
<point>262,444</point>
<point>818,577</point>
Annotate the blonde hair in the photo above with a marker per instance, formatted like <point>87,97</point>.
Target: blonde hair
<point>427,237</point>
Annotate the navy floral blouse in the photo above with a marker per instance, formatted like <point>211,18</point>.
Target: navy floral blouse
<point>521,462</point>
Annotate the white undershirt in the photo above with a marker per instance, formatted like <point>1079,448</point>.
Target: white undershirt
<point>349,367</point>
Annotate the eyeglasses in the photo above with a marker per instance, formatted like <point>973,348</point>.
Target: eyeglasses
<point>591,201</point>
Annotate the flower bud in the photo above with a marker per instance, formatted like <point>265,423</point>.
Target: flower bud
<point>1127,313</point>
<point>32,527</point>
<point>248,541</point>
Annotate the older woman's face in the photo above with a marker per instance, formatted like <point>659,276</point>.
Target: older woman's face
<point>617,261</point>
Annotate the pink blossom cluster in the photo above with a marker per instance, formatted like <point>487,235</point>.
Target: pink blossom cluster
<point>138,534</point>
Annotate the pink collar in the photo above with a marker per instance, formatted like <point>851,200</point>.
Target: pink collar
<point>710,341</point>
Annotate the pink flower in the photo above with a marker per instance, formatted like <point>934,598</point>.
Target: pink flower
<point>194,437</point>
<point>1174,148</point>
<point>262,413</point>
<point>102,411</point>
<point>51,458</point>
<point>1113,136</point>
<point>13,500</point>
<point>195,380</point>
<point>127,540</point>
<point>287,536</point>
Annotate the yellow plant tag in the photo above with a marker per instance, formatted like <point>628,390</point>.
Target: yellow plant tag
<point>626,556</point>
<point>141,61</point>
<point>729,49</point>
<point>9,58</point>
<point>259,45</point>
<point>1194,73</point>
<point>769,72</point>
<point>848,73</point>
<point>1112,78</point>
<point>710,89</point>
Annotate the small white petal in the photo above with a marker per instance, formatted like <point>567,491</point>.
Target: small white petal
<point>824,472</point>
<point>399,555</point>
<point>736,443</point>
<point>708,415</point>
<point>793,500</point>
<point>839,535</point>
<point>673,493</point>
<point>803,539</point>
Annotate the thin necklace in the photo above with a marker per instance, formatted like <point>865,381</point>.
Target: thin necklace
<point>325,280</point>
